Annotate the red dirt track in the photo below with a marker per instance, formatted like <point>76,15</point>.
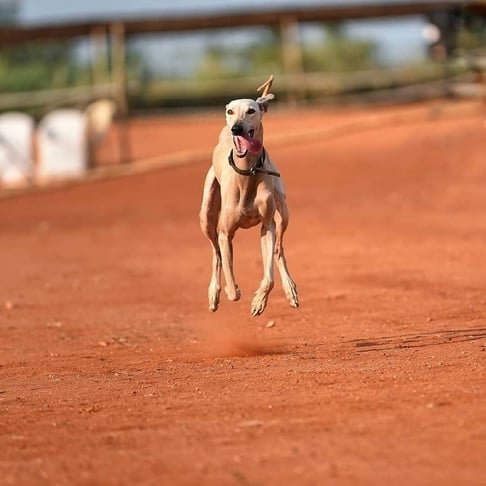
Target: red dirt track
<point>112,371</point>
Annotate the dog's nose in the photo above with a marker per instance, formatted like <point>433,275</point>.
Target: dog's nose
<point>237,129</point>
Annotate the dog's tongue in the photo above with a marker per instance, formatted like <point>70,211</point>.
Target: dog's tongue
<point>249,143</point>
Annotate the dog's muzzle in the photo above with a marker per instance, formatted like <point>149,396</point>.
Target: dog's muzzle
<point>237,129</point>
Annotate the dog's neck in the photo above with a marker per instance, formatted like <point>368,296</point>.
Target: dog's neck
<point>248,160</point>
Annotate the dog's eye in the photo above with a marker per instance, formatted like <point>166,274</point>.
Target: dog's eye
<point>251,111</point>
<point>230,112</point>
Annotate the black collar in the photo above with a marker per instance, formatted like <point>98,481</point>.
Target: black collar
<point>256,167</point>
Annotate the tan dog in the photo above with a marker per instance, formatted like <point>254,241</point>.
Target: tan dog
<point>243,189</point>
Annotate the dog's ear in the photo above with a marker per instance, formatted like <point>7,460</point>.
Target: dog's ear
<point>264,100</point>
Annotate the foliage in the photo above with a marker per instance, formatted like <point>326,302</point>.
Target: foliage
<point>39,67</point>
<point>224,60</point>
<point>339,53</point>
<point>472,34</point>
<point>52,65</point>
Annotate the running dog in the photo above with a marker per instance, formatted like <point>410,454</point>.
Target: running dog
<point>243,189</point>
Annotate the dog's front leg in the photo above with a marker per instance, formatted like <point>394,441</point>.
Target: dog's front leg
<point>225,239</point>
<point>267,239</point>
<point>209,216</point>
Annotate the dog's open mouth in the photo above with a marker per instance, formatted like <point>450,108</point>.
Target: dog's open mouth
<point>246,143</point>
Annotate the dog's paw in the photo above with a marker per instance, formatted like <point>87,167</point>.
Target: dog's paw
<point>258,304</point>
<point>293,299</point>
<point>213,296</point>
<point>233,295</point>
<point>213,303</point>
<point>291,293</point>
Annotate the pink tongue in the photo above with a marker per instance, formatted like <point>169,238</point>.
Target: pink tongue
<point>251,144</point>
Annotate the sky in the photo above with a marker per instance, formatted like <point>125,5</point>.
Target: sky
<point>399,40</point>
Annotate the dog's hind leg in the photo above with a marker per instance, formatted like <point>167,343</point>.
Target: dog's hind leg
<point>282,221</point>
<point>208,217</point>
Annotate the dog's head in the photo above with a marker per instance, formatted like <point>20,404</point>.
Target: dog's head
<point>244,120</point>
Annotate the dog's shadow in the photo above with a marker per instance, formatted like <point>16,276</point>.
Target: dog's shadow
<point>418,340</point>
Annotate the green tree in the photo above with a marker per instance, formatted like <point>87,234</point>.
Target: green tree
<point>261,55</point>
<point>472,34</point>
<point>216,63</point>
<point>33,67</point>
<point>338,52</point>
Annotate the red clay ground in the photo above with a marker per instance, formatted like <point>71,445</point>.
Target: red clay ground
<point>112,371</point>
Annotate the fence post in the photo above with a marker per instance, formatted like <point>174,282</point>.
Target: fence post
<point>120,85</point>
<point>119,68</point>
<point>98,57</point>
<point>293,60</point>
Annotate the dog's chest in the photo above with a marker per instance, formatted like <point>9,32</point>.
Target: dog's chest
<point>247,215</point>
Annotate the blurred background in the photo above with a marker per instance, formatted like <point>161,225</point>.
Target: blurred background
<point>198,49</point>
<point>154,56</point>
